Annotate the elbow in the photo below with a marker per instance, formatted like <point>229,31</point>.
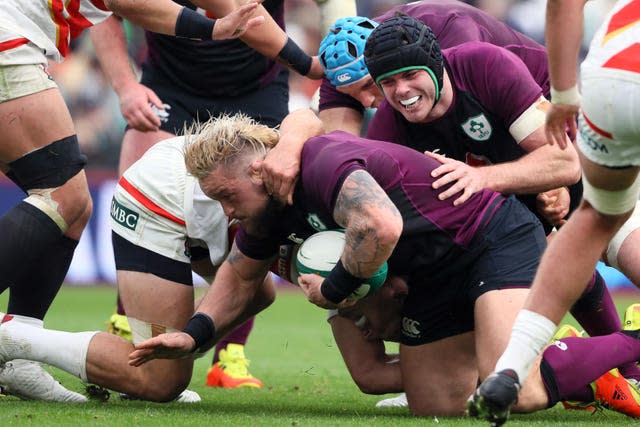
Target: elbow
<point>367,383</point>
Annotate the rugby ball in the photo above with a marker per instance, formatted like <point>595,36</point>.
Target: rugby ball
<point>319,254</point>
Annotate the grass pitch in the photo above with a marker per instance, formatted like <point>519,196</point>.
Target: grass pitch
<point>292,351</point>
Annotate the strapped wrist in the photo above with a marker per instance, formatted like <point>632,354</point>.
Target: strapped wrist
<point>570,96</point>
<point>339,284</point>
<point>295,57</point>
<point>190,24</point>
<point>201,328</point>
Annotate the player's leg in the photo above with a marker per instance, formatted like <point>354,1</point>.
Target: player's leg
<point>624,247</point>
<point>439,376</point>
<point>41,155</point>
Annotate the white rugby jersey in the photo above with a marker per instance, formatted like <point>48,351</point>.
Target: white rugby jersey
<point>49,24</point>
<point>616,44</point>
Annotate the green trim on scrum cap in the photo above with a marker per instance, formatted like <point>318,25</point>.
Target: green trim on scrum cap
<point>412,67</point>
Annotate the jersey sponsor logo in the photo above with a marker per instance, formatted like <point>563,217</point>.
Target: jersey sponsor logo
<point>314,221</point>
<point>594,145</point>
<point>124,216</point>
<point>478,128</point>
<point>410,327</point>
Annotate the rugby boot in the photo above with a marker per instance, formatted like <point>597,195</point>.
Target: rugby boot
<point>632,318</point>
<point>232,370</point>
<point>615,392</point>
<point>492,401</point>
<point>118,324</point>
<point>29,381</point>
<point>399,401</point>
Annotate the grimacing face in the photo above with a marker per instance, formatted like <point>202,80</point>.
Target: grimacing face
<point>241,195</point>
<point>412,93</point>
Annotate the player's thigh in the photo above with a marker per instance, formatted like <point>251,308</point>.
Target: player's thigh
<point>438,377</point>
<point>31,122</point>
<point>156,300</point>
<point>494,315</point>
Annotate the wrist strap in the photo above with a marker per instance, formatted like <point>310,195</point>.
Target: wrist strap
<point>570,96</point>
<point>339,284</point>
<point>201,328</point>
<point>190,24</point>
<point>295,57</point>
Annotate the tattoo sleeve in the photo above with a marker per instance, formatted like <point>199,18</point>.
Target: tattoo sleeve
<point>360,205</point>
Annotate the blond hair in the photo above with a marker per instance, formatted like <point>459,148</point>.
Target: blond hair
<point>221,141</point>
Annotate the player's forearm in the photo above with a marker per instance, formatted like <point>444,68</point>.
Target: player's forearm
<point>366,360</point>
<point>232,298</point>
<point>110,44</point>
<point>296,128</point>
<point>543,169</point>
<point>158,16</point>
<point>563,37</point>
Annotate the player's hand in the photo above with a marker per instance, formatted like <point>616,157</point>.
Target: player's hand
<point>237,23</point>
<point>464,178</point>
<point>553,205</point>
<point>560,122</point>
<point>136,104</point>
<point>279,171</point>
<point>310,285</point>
<point>174,345</point>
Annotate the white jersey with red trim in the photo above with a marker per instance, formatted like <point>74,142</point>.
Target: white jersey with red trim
<point>616,44</point>
<point>158,206</point>
<point>48,24</point>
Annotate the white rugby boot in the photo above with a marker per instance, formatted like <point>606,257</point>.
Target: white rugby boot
<point>29,381</point>
<point>399,401</point>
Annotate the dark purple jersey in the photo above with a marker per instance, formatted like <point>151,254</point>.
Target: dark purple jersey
<point>436,236</point>
<point>213,68</point>
<point>491,89</point>
<point>453,23</point>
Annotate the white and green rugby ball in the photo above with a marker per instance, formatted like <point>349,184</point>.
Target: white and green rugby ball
<point>319,254</point>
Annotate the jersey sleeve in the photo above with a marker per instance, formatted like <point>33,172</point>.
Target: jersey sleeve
<point>330,97</point>
<point>497,78</point>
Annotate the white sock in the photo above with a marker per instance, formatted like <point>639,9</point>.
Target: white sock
<point>530,334</point>
<point>32,321</point>
<point>64,350</point>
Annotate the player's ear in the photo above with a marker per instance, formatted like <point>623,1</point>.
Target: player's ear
<point>255,172</point>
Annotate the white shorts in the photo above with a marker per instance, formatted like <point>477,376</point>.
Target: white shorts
<point>21,80</point>
<point>609,125</point>
<point>148,206</point>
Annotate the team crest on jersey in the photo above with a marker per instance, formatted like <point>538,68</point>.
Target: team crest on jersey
<point>478,128</point>
<point>315,222</point>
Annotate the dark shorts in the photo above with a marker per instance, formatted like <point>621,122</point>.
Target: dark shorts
<point>268,105</point>
<point>130,257</point>
<point>511,249</point>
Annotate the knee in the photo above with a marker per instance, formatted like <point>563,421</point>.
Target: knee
<point>161,390</point>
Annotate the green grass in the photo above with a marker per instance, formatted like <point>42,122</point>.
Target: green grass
<point>292,351</point>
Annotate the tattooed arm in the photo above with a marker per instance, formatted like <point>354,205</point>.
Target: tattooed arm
<point>373,224</point>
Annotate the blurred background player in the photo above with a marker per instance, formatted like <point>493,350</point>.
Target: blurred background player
<point>184,81</point>
<point>41,155</point>
<point>607,139</point>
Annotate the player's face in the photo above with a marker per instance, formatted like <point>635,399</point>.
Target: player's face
<point>365,91</point>
<point>412,93</point>
<point>241,197</point>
